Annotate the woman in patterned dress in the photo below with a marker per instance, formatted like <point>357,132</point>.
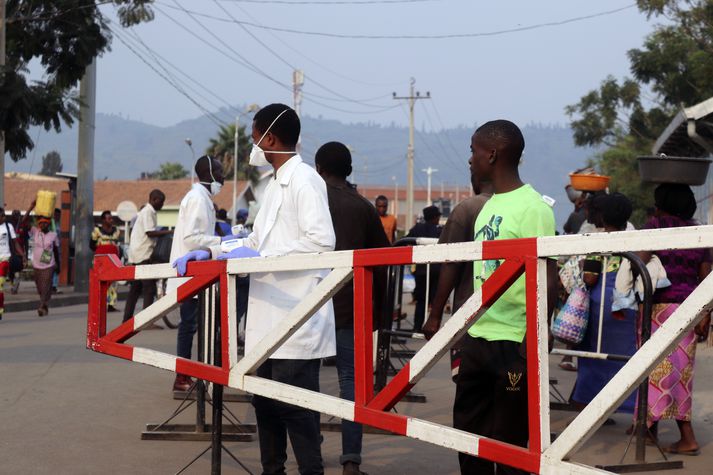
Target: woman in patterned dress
<point>671,382</point>
<point>106,240</point>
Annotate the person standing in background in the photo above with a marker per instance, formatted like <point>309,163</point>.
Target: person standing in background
<point>388,221</point>
<point>429,228</point>
<point>105,240</point>
<point>141,245</point>
<point>356,226</point>
<point>8,246</point>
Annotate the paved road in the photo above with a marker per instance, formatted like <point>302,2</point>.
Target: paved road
<point>65,409</point>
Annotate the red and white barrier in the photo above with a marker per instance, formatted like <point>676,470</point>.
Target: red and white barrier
<point>520,257</point>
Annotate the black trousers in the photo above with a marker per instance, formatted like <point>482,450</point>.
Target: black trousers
<point>146,288</point>
<point>491,399</point>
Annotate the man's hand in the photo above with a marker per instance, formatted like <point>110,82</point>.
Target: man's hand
<point>181,263</point>
<point>433,323</point>
<point>239,253</point>
<point>703,328</point>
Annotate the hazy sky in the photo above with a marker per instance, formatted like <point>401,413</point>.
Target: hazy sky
<point>526,76</point>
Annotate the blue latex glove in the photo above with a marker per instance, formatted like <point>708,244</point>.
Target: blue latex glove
<point>229,237</point>
<point>181,263</point>
<point>239,253</point>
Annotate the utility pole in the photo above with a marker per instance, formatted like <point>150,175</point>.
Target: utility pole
<point>395,207</point>
<point>457,194</point>
<point>411,98</point>
<point>298,80</point>
<point>236,137</point>
<point>3,27</point>
<point>85,179</point>
<point>430,171</point>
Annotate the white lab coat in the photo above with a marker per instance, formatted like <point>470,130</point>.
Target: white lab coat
<point>195,227</point>
<point>293,219</point>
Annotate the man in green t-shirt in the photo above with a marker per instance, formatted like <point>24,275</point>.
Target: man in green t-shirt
<point>491,392</point>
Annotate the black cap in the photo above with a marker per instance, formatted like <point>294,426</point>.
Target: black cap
<point>430,212</point>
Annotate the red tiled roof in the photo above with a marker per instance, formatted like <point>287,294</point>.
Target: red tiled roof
<point>19,192</point>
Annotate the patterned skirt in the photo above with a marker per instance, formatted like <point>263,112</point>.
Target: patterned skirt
<point>671,382</point>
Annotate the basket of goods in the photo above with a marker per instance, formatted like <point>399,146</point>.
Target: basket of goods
<point>588,180</point>
<point>682,170</point>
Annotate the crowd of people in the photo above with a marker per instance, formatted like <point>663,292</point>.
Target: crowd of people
<point>307,210</point>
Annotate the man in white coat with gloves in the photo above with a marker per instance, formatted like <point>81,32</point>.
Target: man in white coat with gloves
<point>293,219</point>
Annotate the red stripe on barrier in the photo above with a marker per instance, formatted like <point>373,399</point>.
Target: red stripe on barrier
<point>213,267</point>
<point>224,321</point>
<point>392,392</point>
<point>122,333</point>
<point>510,248</point>
<point>119,350</point>
<point>202,371</point>
<point>500,281</point>
<point>395,423</point>
<point>533,362</point>
<point>109,268</point>
<point>195,285</point>
<point>510,455</point>
<point>386,256</point>
<point>363,340</point>
<point>94,310</point>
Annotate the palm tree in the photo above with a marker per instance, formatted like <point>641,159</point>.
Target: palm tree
<point>222,147</point>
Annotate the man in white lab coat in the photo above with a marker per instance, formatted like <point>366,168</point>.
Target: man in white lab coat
<point>293,219</point>
<point>195,229</point>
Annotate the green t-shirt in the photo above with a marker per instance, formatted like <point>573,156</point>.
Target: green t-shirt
<point>519,213</point>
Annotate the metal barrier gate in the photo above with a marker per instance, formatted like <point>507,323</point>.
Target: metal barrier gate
<point>519,257</point>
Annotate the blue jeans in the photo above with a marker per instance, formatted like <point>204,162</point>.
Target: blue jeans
<point>351,431</point>
<point>187,328</point>
<point>276,420</point>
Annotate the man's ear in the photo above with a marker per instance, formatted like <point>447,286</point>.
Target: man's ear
<point>493,156</point>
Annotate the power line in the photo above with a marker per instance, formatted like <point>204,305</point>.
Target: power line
<point>316,63</point>
<point>244,61</point>
<point>330,2</point>
<point>284,61</point>
<point>416,37</point>
<point>217,121</point>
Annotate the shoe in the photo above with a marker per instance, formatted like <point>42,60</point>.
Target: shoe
<point>568,366</point>
<point>112,308</point>
<point>42,311</point>
<point>352,468</point>
<point>182,383</point>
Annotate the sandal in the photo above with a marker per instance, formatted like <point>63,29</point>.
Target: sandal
<point>673,449</point>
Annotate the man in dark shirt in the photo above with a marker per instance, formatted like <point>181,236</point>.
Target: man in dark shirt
<point>457,276</point>
<point>429,228</point>
<point>356,226</point>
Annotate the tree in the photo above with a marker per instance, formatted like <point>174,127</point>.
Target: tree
<point>63,37</point>
<point>166,171</point>
<point>671,69</point>
<point>51,164</point>
<point>222,147</point>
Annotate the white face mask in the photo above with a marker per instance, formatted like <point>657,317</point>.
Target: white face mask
<point>257,154</point>
<point>215,186</point>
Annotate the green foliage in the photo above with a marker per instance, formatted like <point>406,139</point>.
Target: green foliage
<point>51,164</point>
<point>222,147</point>
<point>672,69</point>
<point>64,37</point>
<point>167,171</point>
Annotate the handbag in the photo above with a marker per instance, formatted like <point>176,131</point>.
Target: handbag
<point>161,253</point>
<point>570,324</point>
<point>15,259</point>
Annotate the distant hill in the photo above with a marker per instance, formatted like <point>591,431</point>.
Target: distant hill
<point>124,148</point>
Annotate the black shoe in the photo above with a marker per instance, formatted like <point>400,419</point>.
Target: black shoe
<point>112,308</point>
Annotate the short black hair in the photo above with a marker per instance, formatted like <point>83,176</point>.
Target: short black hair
<point>286,128</point>
<point>504,135</point>
<point>615,209</point>
<point>156,194</point>
<point>335,159</point>
<point>675,199</point>
<point>204,166</point>
<point>381,198</point>
<point>105,213</point>
<point>222,214</point>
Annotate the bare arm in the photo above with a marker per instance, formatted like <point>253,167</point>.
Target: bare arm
<point>446,283</point>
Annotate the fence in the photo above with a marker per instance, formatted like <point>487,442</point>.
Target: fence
<point>519,257</point>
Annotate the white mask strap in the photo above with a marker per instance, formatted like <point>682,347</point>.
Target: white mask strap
<point>268,129</point>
